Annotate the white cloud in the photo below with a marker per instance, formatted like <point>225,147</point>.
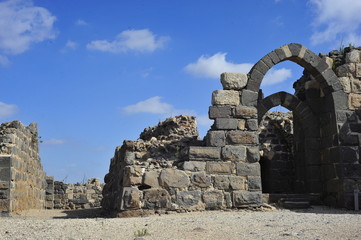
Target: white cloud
<point>81,22</point>
<point>54,141</point>
<point>151,105</point>
<point>213,66</point>
<point>4,61</point>
<point>71,45</point>
<point>203,120</point>
<point>7,110</point>
<point>335,20</point>
<point>275,76</point>
<point>130,40</point>
<point>22,24</point>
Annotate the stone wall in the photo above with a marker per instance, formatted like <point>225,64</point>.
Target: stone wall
<point>60,195</point>
<point>22,179</point>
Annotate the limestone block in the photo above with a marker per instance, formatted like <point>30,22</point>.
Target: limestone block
<point>216,138</point>
<point>246,198</point>
<point>356,85</point>
<point>234,153</point>
<point>248,169</point>
<point>353,56</point>
<point>254,183</point>
<point>194,166</point>
<point>131,198</point>
<point>226,123</point>
<point>213,199</point>
<point>354,101</point>
<point>151,179</point>
<point>346,84</point>
<point>191,200</point>
<point>201,180</point>
<point>173,178</point>
<point>237,182</point>
<point>226,97</point>
<point>253,154</point>
<point>241,124</point>
<point>246,112</point>
<point>204,153</point>
<point>219,167</point>
<point>220,112</point>
<point>156,198</point>
<point>221,182</point>
<point>233,81</point>
<point>228,199</point>
<point>240,137</point>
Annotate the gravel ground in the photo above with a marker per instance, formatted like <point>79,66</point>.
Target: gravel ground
<point>314,223</point>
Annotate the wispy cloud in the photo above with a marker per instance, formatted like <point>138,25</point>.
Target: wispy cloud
<point>81,22</point>
<point>4,61</point>
<point>336,20</point>
<point>7,110</point>
<point>130,40</point>
<point>54,141</point>
<point>213,66</point>
<point>23,24</point>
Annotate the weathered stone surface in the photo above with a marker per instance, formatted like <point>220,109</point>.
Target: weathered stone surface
<point>249,98</point>
<point>156,198</point>
<point>216,138</point>
<point>353,56</point>
<point>254,183</point>
<point>190,200</point>
<point>241,124</point>
<point>248,169</point>
<point>219,167</point>
<point>228,199</point>
<point>131,198</point>
<point>246,199</point>
<point>221,182</point>
<point>234,153</point>
<point>220,112</point>
<point>358,70</point>
<point>150,178</point>
<point>213,199</point>
<point>237,182</point>
<point>201,180</point>
<point>204,153</point>
<point>356,86</point>
<point>132,175</point>
<point>240,137</point>
<point>252,124</point>
<point>253,154</point>
<point>233,81</point>
<point>194,166</point>
<point>354,101</point>
<point>346,84</point>
<point>173,178</point>
<point>226,123</point>
<point>226,97</point>
<point>129,157</point>
<point>246,112</point>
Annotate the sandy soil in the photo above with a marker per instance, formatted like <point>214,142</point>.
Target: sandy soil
<point>314,223</point>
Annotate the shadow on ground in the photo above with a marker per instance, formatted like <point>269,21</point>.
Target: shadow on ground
<point>83,213</point>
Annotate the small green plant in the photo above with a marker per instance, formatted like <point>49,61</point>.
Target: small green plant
<point>141,232</point>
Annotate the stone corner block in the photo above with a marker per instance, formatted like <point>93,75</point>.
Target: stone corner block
<point>233,81</point>
<point>216,138</point>
<point>226,97</point>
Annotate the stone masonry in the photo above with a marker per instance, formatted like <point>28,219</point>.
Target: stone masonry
<point>22,179</point>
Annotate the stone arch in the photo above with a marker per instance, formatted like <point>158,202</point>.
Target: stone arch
<point>304,57</point>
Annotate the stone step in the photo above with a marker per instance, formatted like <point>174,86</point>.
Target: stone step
<point>294,203</point>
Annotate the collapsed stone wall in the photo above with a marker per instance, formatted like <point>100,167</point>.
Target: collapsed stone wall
<point>60,195</point>
<point>22,179</point>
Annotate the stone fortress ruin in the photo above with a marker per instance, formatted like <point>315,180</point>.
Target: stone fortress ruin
<point>249,156</point>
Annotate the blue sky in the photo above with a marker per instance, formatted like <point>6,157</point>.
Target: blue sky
<point>93,73</point>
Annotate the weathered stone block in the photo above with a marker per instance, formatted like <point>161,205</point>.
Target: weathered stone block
<point>221,182</point>
<point>353,56</point>
<point>246,199</point>
<point>201,180</point>
<point>226,97</point>
<point>131,198</point>
<point>241,124</point>
<point>240,137</point>
<point>346,84</point>
<point>228,199</point>
<point>219,167</point>
<point>354,101</point>
<point>194,166</point>
<point>204,153</point>
<point>254,183</point>
<point>248,169</point>
<point>226,123</point>
<point>129,157</point>
<point>216,138</point>
<point>252,124</point>
<point>5,161</point>
<point>151,179</point>
<point>220,112</point>
<point>190,200</point>
<point>356,86</point>
<point>234,153</point>
<point>249,98</point>
<point>173,178</point>
<point>358,70</point>
<point>253,154</point>
<point>246,112</point>
<point>156,198</point>
<point>213,199</point>
<point>237,182</point>
<point>233,81</point>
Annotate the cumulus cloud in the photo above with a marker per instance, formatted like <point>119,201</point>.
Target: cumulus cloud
<point>22,24</point>
<point>335,19</point>
<point>54,141</point>
<point>275,76</point>
<point>7,110</point>
<point>130,40</point>
<point>214,65</point>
